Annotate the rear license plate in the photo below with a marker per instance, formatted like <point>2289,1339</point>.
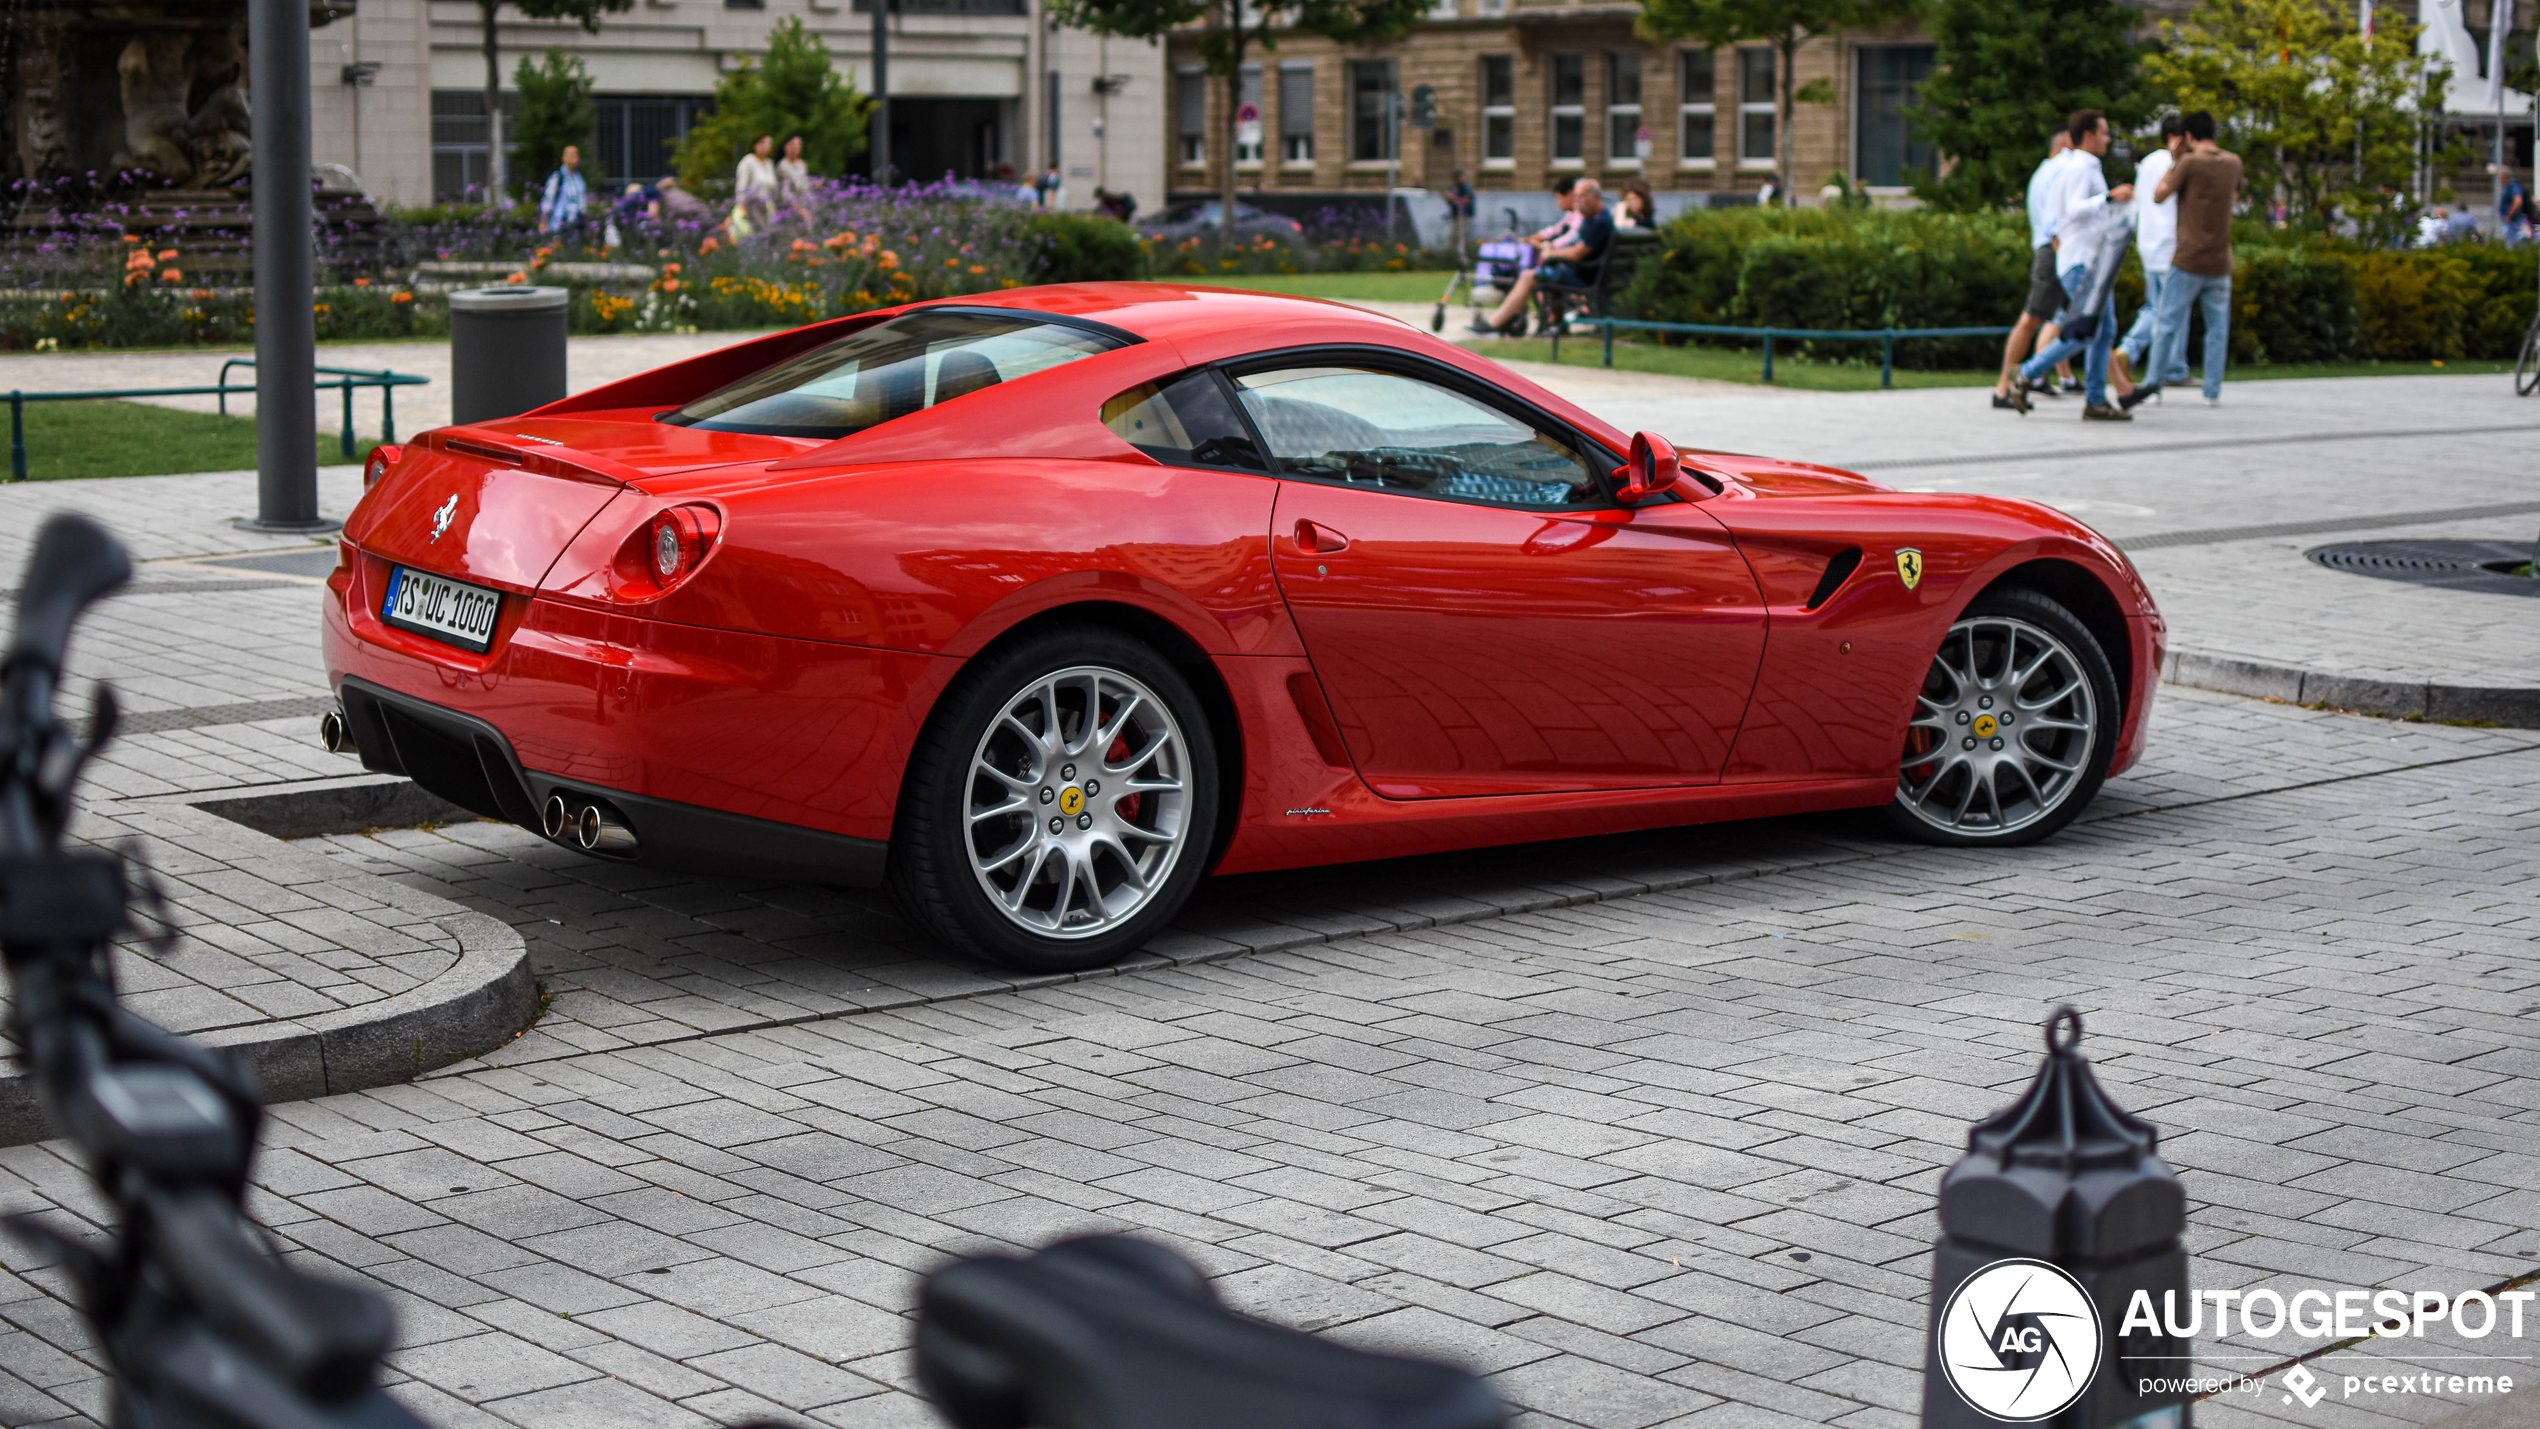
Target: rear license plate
<point>450,611</point>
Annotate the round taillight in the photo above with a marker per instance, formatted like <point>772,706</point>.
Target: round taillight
<point>381,458</point>
<point>666,549</point>
<point>677,540</point>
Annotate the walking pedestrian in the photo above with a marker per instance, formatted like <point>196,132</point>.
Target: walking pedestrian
<point>793,180</point>
<point>2080,207</point>
<point>2045,294</point>
<point>2513,207</point>
<point>754,188</point>
<point>560,209</point>
<point>1459,210</point>
<point>2206,182</point>
<point>2155,240</point>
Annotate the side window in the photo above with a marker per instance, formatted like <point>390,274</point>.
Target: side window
<point>1183,421</point>
<point>1366,428</point>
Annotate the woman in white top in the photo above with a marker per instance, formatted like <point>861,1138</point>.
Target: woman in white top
<point>793,180</point>
<point>754,188</point>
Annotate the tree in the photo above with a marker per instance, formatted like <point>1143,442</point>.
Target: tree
<point>1785,25</point>
<point>555,110</point>
<point>1234,26</point>
<point>2008,74</point>
<point>2320,116</point>
<point>795,90</point>
<point>585,12</point>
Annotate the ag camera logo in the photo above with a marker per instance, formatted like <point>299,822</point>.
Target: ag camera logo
<point>2020,1341</point>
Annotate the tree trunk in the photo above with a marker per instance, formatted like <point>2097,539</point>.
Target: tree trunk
<point>1786,142</point>
<point>1234,99</point>
<point>494,165</point>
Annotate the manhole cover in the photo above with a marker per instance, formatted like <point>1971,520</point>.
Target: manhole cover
<point>2453,565</point>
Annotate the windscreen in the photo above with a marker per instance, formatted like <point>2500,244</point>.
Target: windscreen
<point>905,365</point>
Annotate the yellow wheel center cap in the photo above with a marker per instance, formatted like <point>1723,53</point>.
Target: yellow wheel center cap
<point>1071,801</point>
<point>1985,726</point>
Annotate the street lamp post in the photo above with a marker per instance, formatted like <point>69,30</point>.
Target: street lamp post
<point>286,329</point>
<point>878,133</point>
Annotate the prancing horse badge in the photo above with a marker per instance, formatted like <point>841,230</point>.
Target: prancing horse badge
<point>1909,566</point>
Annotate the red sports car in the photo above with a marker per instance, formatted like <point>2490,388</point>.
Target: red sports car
<point>1038,607</point>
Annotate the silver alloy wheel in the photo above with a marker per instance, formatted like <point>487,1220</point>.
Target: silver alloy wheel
<point>1078,802</point>
<point>2002,732</point>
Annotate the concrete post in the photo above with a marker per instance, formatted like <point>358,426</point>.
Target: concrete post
<point>878,134</point>
<point>286,330</point>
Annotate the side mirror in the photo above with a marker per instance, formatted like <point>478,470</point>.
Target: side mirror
<point>1651,470</point>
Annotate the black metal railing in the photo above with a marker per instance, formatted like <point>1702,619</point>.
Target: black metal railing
<point>1885,337</point>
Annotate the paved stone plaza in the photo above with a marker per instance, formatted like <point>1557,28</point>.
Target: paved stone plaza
<point>1645,1128</point>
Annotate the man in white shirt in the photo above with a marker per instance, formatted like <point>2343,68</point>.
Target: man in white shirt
<point>2077,200</point>
<point>2045,294</point>
<point>2155,239</point>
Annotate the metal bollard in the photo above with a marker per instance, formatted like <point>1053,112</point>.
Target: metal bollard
<point>2055,1218</point>
<point>506,351</point>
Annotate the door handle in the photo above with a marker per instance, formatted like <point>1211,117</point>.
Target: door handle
<point>1316,540</point>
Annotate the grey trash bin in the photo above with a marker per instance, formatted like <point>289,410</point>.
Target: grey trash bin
<point>506,351</point>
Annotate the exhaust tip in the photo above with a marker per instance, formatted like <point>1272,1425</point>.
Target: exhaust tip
<point>335,733</point>
<point>600,830</point>
<point>555,819</point>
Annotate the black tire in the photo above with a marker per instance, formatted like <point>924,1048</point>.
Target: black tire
<point>2527,367</point>
<point>937,878</point>
<point>2011,626</point>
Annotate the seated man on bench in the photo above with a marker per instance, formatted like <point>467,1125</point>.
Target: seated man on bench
<point>1570,265</point>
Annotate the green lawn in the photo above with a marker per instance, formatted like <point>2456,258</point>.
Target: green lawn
<point>76,439</point>
<point>1806,374</point>
<point>1351,287</point>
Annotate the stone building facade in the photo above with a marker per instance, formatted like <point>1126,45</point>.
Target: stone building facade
<point>1526,91</point>
<point>977,86</point>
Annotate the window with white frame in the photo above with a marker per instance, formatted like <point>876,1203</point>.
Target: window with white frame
<point>1444,10</point>
<point>1622,107</point>
<point>1499,111</point>
<point>1296,113</point>
<point>1755,137</point>
<point>1490,7</point>
<point>1370,128</point>
<point>1248,91</point>
<point>1569,109</point>
<point>1190,115</point>
<point>1697,112</point>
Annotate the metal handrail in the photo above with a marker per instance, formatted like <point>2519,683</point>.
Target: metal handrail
<point>1886,337</point>
<point>349,378</point>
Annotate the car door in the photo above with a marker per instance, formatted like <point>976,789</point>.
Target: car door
<point>1482,615</point>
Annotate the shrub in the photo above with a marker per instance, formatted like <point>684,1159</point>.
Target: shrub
<point>1080,248</point>
<point>2290,305</point>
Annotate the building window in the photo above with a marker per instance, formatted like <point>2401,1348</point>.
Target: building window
<point>1755,108</point>
<point>1190,115</point>
<point>1885,151</point>
<point>1569,108</point>
<point>1296,113</point>
<point>638,131</point>
<point>1248,139</point>
<point>1444,10</point>
<point>744,4</point>
<point>1370,85</point>
<point>1696,111</point>
<point>1499,111</point>
<point>1622,107</point>
<point>458,142</point>
<point>1491,7</point>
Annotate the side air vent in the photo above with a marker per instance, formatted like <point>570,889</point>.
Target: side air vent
<point>492,453</point>
<point>1838,571</point>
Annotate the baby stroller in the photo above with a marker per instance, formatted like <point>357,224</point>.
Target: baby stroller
<point>1493,266</point>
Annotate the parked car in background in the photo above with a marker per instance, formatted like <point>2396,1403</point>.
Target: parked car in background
<point>1190,220</point>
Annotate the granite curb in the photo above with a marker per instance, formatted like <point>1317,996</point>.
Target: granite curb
<point>2513,707</point>
<point>486,996</point>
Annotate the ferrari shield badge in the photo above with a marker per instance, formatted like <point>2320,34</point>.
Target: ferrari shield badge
<point>1909,566</point>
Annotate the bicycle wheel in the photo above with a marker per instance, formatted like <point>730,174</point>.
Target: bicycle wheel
<point>2527,367</point>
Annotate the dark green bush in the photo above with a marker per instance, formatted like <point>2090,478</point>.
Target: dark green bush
<point>1080,248</point>
<point>2293,299</point>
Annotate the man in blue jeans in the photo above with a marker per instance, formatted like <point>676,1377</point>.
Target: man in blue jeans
<point>2206,181</point>
<point>2080,201</point>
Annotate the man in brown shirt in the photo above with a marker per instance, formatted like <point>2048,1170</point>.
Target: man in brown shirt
<point>2206,180</point>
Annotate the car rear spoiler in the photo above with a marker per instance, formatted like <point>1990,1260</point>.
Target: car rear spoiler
<point>683,382</point>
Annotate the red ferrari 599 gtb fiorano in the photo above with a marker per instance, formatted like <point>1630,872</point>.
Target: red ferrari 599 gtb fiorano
<point>1038,607</point>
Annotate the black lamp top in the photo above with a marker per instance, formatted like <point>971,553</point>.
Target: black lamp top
<point>2063,1120</point>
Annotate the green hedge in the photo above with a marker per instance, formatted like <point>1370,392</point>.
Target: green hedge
<point>2291,301</point>
<point>1080,248</point>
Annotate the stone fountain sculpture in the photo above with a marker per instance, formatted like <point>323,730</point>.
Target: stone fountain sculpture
<point>120,86</point>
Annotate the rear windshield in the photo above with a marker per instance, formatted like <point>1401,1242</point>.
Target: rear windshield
<point>905,365</point>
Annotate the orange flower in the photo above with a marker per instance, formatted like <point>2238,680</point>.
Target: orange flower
<point>401,297</point>
<point>837,240</point>
<point>802,245</point>
<point>977,269</point>
<point>170,275</point>
<point>888,259</point>
<point>166,253</point>
<point>670,267</point>
<point>132,238</point>
<point>517,278</point>
<point>708,246</point>
<point>361,282</point>
<point>670,285</point>
<point>952,262</point>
